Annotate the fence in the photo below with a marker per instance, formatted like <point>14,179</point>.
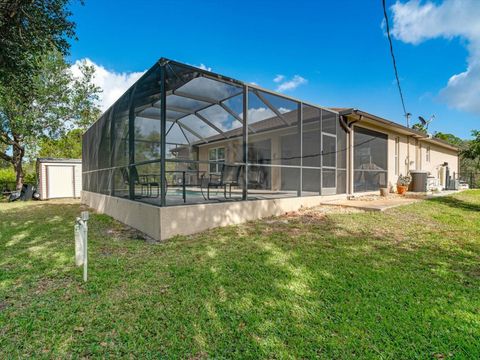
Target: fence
<point>471,178</point>
<point>7,187</point>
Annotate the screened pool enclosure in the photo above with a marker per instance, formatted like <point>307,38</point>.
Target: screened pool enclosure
<point>182,135</point>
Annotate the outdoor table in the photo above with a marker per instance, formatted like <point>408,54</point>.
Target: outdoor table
<point>183,178</point>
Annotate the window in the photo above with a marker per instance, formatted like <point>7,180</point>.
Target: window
<point>428,154</point>
<point>397,152</point>
<point>217,155</point>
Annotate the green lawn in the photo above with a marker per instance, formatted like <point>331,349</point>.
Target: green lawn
<point>401,284</point>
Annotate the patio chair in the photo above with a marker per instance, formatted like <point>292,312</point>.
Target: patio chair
<point>256,177</point>
<point>229,176</point>
<point>144,181</point>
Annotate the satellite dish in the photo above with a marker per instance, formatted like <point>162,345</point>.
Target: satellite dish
<point>425,122</point>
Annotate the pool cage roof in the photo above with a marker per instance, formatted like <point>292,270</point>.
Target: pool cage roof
<point>199,96</point>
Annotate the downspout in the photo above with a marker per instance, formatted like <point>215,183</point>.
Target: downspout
<point>408,155</point>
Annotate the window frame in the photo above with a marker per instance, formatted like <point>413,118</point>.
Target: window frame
<point>218,160</point>
<point>397,155</point>
<point>428,155</point>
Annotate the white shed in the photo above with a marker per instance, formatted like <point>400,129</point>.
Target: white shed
<point>59,178</point>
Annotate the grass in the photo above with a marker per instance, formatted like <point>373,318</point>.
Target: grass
<point>402,284</point>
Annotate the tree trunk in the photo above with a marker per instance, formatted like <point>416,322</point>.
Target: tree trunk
<point>17,160</point>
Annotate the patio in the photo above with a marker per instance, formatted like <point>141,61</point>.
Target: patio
<point>382,203</point>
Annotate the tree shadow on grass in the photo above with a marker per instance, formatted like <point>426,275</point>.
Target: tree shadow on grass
<point>456,202</point>
<point>331,292</point>
<point>288,287</point>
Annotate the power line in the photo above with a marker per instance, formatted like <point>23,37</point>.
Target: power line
<point>393,59</point>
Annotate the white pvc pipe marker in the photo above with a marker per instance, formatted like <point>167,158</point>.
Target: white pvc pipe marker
<point>81,243</point>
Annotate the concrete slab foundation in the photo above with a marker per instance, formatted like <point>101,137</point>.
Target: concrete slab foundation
<point>162,223</point>
<point>374,205</point>
<point>377,203</point>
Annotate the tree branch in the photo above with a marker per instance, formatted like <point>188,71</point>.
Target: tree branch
<point>5,157</point>
<point>6,140</point>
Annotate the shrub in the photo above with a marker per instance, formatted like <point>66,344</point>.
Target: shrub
<point>7,175</point>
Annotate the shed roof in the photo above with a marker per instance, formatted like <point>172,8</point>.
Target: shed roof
<point>59,160</point>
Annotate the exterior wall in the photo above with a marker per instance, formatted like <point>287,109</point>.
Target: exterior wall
<point>412,154</point>
<point>141,216</point>
<point>162,223</point>
<point>233,152</point>
<point>438,156</point>
<point>43,178</point>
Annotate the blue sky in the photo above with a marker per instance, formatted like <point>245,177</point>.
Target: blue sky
<point>338,48</point>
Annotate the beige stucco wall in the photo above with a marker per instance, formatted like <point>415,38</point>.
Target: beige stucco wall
<point>143,217</point>
<point>162,223</point>
<point>438,156</point>
<point>233,152</point>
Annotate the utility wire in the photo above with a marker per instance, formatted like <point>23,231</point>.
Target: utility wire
<point>393,59</point>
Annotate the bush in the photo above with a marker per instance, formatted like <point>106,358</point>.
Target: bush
<point>7,175</point>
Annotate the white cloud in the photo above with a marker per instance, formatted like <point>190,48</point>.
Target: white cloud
<point>203,67</point>
<point>279,78</point>
<point>284,110</point>
<point>415,22</point>
<point>113,84</point>
<point>258,114</point>
<point>292,84</point>
<point>463,90</point>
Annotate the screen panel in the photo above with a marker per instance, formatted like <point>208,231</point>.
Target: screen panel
<point>370,159</point>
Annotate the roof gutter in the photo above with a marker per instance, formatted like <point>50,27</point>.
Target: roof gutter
<point>411,132</point>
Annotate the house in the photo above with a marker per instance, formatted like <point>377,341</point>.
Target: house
<point>185,149</point>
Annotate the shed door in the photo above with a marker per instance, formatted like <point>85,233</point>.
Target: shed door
<point>60,181</point>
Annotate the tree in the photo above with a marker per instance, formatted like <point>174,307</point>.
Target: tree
<point>419,127</point>
<point>38,97</point>
<point>450,138</point>
<point>472,151</point>
<point>30,30</point>
<point>57,103</point>
<point>68,146</point>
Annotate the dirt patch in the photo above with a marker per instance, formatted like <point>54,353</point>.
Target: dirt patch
<point>318,213</point>
<point>128,233</point>
<point>328,209</point>
<point>3,305</point>
<point>50,284</point>
<point>293,222</point>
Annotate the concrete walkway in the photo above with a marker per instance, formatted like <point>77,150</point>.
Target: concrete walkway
<point>378,203</point>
